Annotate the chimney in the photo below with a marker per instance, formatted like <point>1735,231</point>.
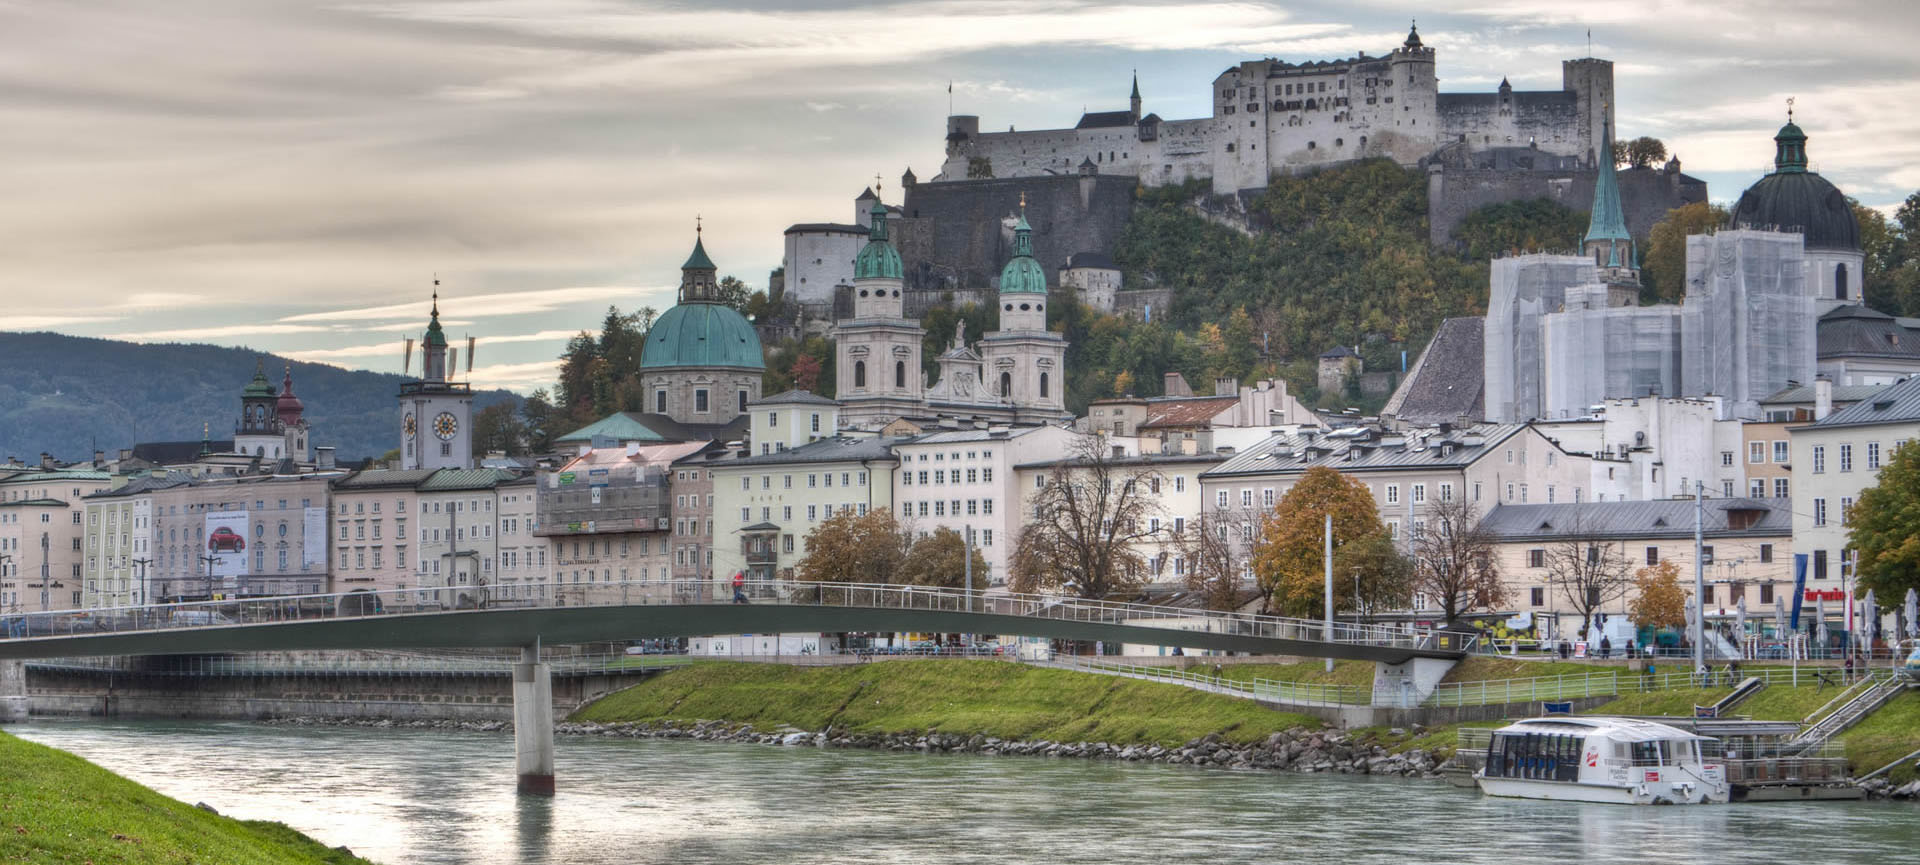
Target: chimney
<point>1226,386</point>
<point>323,458</point>
<point>99,458</point>
<point>46,461</point>
<point>1822,398</point>
<point>1176,385</point>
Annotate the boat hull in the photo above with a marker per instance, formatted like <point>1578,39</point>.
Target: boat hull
<point>1566,791</point>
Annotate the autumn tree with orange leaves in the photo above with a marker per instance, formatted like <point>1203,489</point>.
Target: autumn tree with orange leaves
<point>1288,562</point>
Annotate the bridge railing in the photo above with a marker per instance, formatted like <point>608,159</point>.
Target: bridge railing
<point>466,598</point>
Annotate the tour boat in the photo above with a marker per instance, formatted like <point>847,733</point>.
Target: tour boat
<point>1602,759</point>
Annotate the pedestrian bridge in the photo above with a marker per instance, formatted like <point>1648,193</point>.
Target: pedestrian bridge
<point>493,617</point>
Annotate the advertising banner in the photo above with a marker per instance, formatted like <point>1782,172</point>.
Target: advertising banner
<point>226,541</point>
<point>1799,589</point>
<point>313,540</point>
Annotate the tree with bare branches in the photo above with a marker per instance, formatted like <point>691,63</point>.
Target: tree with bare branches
<point>1588,572</point>
<point>1219,556</point>
<point>1453,560</point>
<point>1086,526</point>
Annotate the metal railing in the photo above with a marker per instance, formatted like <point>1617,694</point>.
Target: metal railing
<point>335,665</point>
<point>1602,683</point>
<point>1265,690</point>
<point>457,599</point>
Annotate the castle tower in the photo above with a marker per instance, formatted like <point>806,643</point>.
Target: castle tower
<point>1607,241</point>
<point>435,414</point>
<point>877,360</point>
<point>258,434</point>
<point>1417,88</point>
<point>1590,80</point>
<point>1025,362</point>
<point>702,362</point>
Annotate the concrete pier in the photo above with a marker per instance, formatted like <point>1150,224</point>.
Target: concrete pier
<point>533,722</point>
<point>13,692</point>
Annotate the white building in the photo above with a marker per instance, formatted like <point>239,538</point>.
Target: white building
<point>1833,460</point>
<point>818,256</point>
<point>966,480</point>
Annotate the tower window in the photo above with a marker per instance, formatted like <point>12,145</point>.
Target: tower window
<point>743,402</point>
<point>660,401</point>
<point>1006,385</point>
<point>700,399</point>
<point>1043,385</point>
<point>859,373</point>
<point>899,374</point>
<point>1839,282</point>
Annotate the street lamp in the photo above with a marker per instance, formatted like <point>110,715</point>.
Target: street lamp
<point>12,598</point>
<point>142,565</point>
<point>210,560</point>
<point>45,570</point>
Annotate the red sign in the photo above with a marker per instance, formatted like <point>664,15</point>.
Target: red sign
<point>1653,776</point>
<point>1826,595</point>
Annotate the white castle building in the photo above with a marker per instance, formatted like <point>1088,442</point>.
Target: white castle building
<point>1271,116</point>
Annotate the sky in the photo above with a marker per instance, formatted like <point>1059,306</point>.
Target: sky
<point>293,176</point>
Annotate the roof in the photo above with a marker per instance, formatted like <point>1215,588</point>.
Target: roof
<point>1842,394</point>
<point>373,479</point>
<point>175,453</point>
<point>1795,199</point>
<point>1607,220</point>
<point>627,426</point>
<point>1338,351</point>
<point>946,437</point>
<point>1663,518</point>
<point>1104,119</point>
<point>1363,450</point>
<point>1022,274</point>
<point>795,397</point>
<point>1091,259</point>
<point>259,386</point>
<point>1132,461</point>
<point>698,260</point>
<point>1852,330</point>
<point>655,455</point>
<point>1895,403</point>
<point>447,480</point>
<point>1616,729</point>
<point>702,335</point>
<point>823,227</point>
<point>145,484</point>
<point>878,259</point>
<point>1186,411</point>
<point>1448,381</point>
<point>34,503</point>
<point>838,449</point>
<point>61,475</point>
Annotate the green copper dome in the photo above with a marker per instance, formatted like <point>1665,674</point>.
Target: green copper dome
<point>1023,275</point>
<point>1795,199</point>
<point>259,386</point>
<point>699,335</point>
<point>878,259</point>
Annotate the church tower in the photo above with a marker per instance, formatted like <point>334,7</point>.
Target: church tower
<point>1133,102</point>
<point>1608,242</point>
<point>877,361</point>
<point>1025,362</point>
<point>436,430</point>
<point>293,424</point>
<point>258,434</point>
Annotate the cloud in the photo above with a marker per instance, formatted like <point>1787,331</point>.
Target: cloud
<point>217,332</point>
<point>479,306</point>
<point>41,322</point>
<point>406,326</point>
<point>516,376</point>
<point>324,355</point>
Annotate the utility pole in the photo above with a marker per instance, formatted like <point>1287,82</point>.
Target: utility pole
<point>45,572</point>
<point>1699,579</point>
<point>966,539</point>
<point>142,565</point>
<point>1327,558</point>
<point>210,560</point>
<point>12,598</point>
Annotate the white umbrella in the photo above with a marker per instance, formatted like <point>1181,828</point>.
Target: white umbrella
<point>1871,612</point>
<point>1820,623</point>
<point>1779,616</point>
<point>1740,619</point>
<point>1913,612</point>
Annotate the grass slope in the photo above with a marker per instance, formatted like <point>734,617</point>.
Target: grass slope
<point>1886,735</point>
<point>992,698</point>
<point>55,807</point>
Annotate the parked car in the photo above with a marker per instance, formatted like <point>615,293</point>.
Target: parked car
<point>224,538</point>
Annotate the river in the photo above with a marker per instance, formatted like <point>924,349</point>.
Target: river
<point>424,797</point>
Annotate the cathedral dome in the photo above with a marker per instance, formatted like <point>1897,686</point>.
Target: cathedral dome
<point>700,335</point>
<point>878,259</point>
<point>1795,199</point>
<point>1023,275</point>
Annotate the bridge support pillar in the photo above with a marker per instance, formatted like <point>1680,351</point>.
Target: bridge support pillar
<point>13,691</point>
<point>533,722</point>
<point>1406,685</point>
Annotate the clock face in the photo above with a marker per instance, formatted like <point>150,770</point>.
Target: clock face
<point>407,425</point>
<point>445,425</point>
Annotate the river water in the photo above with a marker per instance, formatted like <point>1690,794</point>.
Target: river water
<point>423,797</point>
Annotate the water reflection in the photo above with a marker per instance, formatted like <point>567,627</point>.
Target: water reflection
<point>437,798</point>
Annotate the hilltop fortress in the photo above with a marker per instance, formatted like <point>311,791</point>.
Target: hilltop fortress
<point>1271,116</point>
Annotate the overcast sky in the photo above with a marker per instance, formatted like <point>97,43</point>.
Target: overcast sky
<point>291,176</point>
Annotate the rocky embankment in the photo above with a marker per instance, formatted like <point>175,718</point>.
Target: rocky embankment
<point>1881,788</point>
<point>1296,750</point>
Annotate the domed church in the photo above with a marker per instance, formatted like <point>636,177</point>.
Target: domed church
<point>1793,198</point>
<point>702,361</point>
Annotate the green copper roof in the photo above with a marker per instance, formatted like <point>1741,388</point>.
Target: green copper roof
<point>701,335</point>
<point>698,260</point>
<point>1790,150</point>
<point>1023,275</point>
<point>1609,220</point>
<point>435,337</point>
<point>259,386</point>
<point>878,259</point>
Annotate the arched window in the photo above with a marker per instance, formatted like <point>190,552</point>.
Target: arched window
<point>1839,282</point>
<point>899,374</point>
<point>1043,385</point>
<point>859,373</point>
<point>1006,385</point>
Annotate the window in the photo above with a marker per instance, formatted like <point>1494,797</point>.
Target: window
<point>1766,557</point>
<point>1266,497</point>
<point>1419,494</point>
<point>1846,505</point>
<point>986,507</point>
<point>1220,499</point>
<point>1873,456</point>
<point>1536,558</point>
<point>1820,512</point>
<point>1780,452</point>
<point>1393,494</point>
<point>1726,458</point>
<point>742,401</point>
<point>1780,488</point>
<point>700,400</point>
<point>1246,498</point>
<point>1846,458</point>
<point>1706,555</point>
<point>899,374</point>
<point>1179,483</point>
<point>1476,491</point>
<point>1653,555</point>
<point>859,373</point>
<point>1757,488</point>
<point>1819,564</point>
<point>1766,591</point>
<point>1756,452</point>
<point>1538,596</point>
<point>986,475</point>
<point>1043,385</point>
<point>1707,593</point>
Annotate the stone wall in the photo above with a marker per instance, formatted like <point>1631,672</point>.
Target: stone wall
<point>951,235</point>
<point>13,692</point>
<point>1645,193</point>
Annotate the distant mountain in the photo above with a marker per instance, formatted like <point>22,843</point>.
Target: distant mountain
<point>67,395</point>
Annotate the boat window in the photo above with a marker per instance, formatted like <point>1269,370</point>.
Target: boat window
<point>1535,756</point>
<point>1650,753</point>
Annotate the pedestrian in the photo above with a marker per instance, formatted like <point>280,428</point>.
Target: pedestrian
<point>1629,647</point>
<point>1606,647</point>
<point>1847,670</point>
<point>739,587</point>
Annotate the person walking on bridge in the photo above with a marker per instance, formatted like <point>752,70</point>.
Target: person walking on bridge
<point>739,587</point>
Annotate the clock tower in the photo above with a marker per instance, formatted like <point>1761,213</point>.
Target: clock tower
<point>435,414</point>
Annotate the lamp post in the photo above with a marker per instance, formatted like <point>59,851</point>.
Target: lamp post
<point>12,598</point>
<point>45,572</point>
<point>210,560</point>
<point>142,565</point>
<point>1327,555</point>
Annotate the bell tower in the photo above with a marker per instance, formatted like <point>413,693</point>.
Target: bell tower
<point>436,413</point>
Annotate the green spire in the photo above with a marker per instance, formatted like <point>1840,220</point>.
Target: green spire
<point>878,259</point>
<point>698,260</point>
<point>435,337</point>
<point>1023,275</point>
<point>1608,221</point>
<point>259,386</point>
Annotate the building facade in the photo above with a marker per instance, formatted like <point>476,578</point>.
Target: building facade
<point>966,480</point>
<point>765,506</point>
<point>1833,460</point>
<point>42,529</point>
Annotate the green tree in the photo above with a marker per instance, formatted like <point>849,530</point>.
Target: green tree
<point>940,559</point>
<point>1642,152</point>
<point>1663,269</point>
<point>734,293</point>
<point>499,428</point>
<point>1535,225</point>
<point>1455,561</point>
<point>1371,575</point>
<point>1885,530</point>
<point>1289,554</point>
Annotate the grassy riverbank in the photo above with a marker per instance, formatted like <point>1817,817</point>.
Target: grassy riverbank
<point>992,698</point>
<point>55,807</point>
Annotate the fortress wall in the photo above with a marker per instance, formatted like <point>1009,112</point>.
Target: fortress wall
<point>1645,193</point>
<point>951,236</point>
